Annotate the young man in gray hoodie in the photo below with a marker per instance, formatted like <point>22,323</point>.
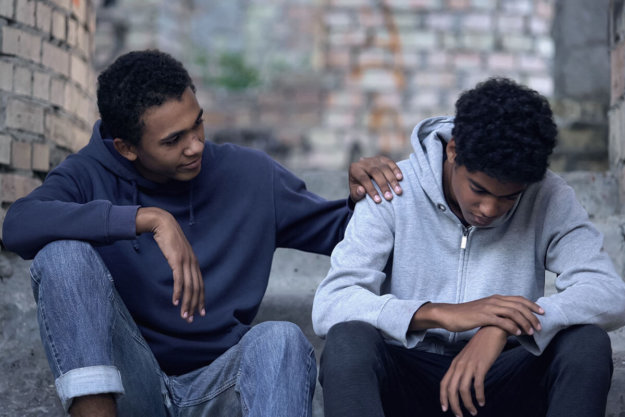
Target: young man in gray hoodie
<point>462,325</point>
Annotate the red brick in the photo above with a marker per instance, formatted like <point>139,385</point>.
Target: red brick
<point>21,154</point>
<point>41,157</point>
<point>15,186</point>
<point>338,58</point>
<point>458,4</point>
<point>5,149</point>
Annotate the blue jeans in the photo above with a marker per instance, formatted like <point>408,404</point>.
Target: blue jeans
<point>94,346</point>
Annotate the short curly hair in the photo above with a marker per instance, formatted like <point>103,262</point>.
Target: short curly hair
<point>504,130</point>
<point>135,82</point>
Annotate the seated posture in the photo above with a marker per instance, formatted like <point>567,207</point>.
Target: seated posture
<point>461,325</point>
<point>152,253</point>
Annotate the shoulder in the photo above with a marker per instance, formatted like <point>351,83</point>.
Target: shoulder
<point>552,198</point>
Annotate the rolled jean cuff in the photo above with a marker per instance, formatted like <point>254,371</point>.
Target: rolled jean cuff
<point>89,380</point>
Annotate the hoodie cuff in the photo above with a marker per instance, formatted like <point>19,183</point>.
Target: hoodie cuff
<point>551,323</point>
<point>394,320</point>
<point>122,222</point>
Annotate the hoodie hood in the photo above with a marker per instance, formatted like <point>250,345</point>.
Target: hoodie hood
<point>429,139</point>
<point>101,149</point>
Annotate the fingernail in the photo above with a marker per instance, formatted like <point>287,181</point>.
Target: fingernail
<point>398,189</point>
<point>184,315</point>
<point>473,413</point>
<point>203,312</point>
<point>518,333</point>
<point>444,408</point>
<point>481,403</point>
<point>531,331</point>
<point>399,176</point>
<point>190,319</point>
<point>388,195</point>
<point>176,302</point>
<point>376,199</point>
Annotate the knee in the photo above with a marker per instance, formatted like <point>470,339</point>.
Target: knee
<point>63,252</point>
<point>584,348</point>
<point>352,344</point>
<point>65,264</point>
<point>279,337</point>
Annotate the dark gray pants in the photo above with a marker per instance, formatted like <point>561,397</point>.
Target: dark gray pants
<point>363,376</point>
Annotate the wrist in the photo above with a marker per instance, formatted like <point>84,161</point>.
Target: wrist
<point>148,219</point>
<point>495,332</point>
<point>425,317</point>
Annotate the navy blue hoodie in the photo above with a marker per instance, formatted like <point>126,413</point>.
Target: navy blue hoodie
<point>235,213</point>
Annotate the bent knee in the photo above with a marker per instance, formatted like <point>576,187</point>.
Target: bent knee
<point>352,342</point>
<point>279,335</point>
<point>584,347</point>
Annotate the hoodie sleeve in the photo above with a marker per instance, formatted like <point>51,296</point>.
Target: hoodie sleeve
<point>304,220</point>
<point>352,290</point>
<point>58,210</point>
<point>589,291</point>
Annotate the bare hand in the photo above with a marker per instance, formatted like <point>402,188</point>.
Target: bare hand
<point>513,314</point>
<point>180,257</point>
<point>379,168</point>
<point>468,370</point>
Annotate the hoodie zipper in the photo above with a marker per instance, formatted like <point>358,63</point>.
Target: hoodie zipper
<point>461,273</point>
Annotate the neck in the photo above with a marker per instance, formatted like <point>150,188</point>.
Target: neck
<point>448,168</point>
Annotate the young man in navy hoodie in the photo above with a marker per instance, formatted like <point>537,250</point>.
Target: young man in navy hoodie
<point>152,250</point>
<point>462,325</point>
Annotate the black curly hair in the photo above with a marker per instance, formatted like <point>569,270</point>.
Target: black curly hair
<point>135,82</point>
<point>504,130</point>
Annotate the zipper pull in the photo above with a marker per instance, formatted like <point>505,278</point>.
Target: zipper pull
<point>465,234</point>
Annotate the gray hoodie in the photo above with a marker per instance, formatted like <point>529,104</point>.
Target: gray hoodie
<point>434,258</point>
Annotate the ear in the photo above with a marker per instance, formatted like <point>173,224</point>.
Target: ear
<point>450,150</point>
<point>125,149</point>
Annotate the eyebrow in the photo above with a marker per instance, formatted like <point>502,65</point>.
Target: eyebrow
<point>180,132</point>
<point>481,188</point>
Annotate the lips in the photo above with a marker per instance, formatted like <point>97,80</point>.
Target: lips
<point>192,165</point>
<point>482,221</point>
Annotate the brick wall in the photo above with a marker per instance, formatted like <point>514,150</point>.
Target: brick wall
<point>617,103</point>
<point>354,76</point>
<point>394,63</point>
<point>46,88</point>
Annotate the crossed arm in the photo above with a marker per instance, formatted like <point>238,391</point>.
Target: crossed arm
<point>496,317</point>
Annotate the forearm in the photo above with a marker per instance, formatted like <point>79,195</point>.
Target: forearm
<point>30,224</point>
<point>428,316</point>
<point>149,218</point>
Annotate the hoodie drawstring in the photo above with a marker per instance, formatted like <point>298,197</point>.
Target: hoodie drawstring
<point>191,215</point>
<point>135,201</point>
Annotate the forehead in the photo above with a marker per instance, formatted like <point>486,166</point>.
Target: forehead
<point>492,185</point>
<point>173,115</point>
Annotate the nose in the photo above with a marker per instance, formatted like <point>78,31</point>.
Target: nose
<point>195,145</point>
<point>489,207</point>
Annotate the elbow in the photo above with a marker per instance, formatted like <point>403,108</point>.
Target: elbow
<point>13,240</point>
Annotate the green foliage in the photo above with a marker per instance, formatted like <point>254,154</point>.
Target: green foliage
<point>231,72</point>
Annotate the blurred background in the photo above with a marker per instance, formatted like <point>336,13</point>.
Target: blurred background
<point>318,84</point>
<point>315,83</point>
